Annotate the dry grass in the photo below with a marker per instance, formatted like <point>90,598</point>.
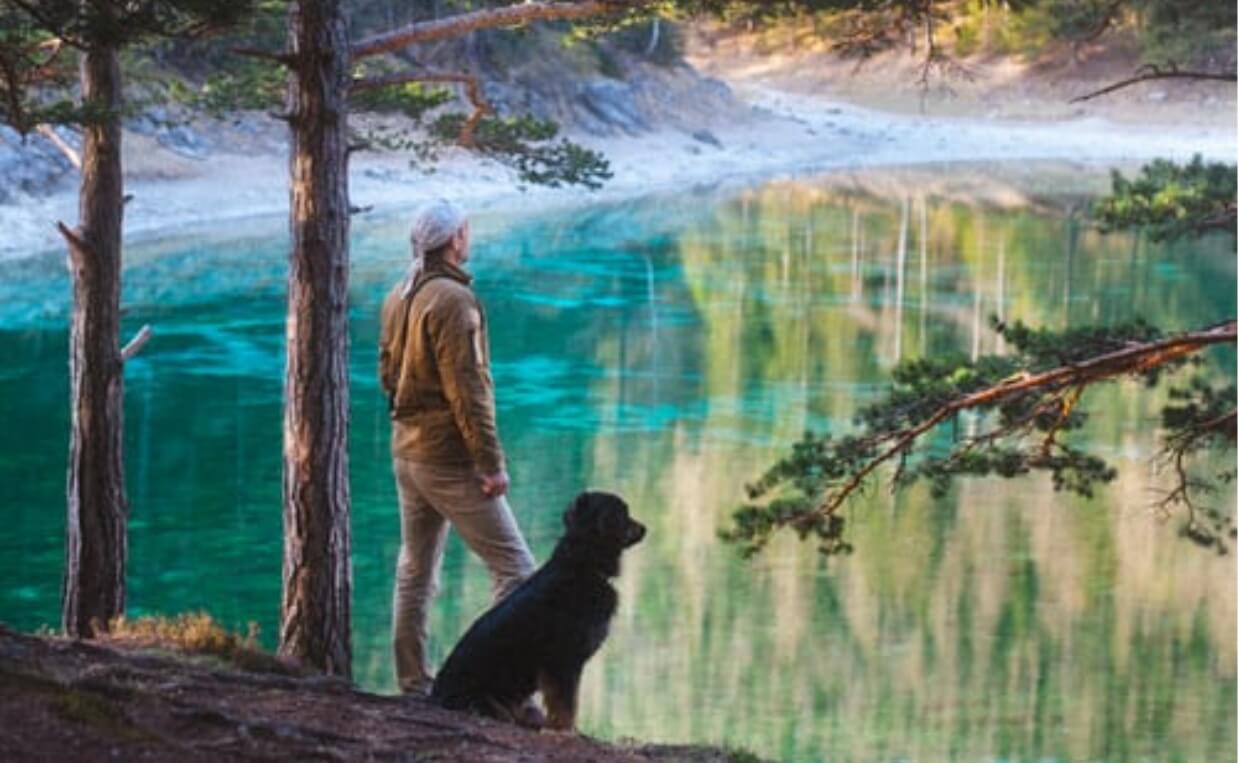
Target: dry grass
<point>197,633</point>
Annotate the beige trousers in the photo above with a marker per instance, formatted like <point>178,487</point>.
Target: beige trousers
<point>431,495</point>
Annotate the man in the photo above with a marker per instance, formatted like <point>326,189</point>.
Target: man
<point>435,368</point>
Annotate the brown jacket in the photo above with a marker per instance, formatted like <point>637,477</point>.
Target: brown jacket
<point>434,364</point>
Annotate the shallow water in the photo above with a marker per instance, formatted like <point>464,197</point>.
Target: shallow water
<point>667,349</point>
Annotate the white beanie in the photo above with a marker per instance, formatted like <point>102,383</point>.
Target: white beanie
<point>434,226</point>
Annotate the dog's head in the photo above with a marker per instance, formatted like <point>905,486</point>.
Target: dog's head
<point>602,520</point>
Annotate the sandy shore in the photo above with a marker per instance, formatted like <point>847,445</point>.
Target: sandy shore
<point>784,135</point>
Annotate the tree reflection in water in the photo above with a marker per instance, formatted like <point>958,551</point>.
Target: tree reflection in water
<point>668,350</point>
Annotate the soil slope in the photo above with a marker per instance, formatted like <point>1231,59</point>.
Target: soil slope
<point>66,700</point>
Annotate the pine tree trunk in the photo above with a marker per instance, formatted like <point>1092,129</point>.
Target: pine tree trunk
<point>95,543</point>
<point>315,617</point>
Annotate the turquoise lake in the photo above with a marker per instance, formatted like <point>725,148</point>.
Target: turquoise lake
<point>668,349</point>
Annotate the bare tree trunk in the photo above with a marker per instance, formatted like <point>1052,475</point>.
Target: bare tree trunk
<point>315,617</point>
<point>655,30</point>
<point>900,279</point>
<point>95,544</point>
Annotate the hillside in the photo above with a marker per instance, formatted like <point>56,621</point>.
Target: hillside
<point>713,104</point>
<point>598,90</point>
<point>1040,87</point>
<point>68,700</point>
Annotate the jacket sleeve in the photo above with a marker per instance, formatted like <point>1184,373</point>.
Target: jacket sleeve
<point>460,351</point>
<point>390,343</point>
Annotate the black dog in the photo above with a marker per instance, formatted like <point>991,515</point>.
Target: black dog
<point>541,635</point>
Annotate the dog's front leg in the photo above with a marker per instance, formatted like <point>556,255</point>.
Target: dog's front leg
<point>559,693</point>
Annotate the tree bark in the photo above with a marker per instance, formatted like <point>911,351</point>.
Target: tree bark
<point>95,542</point>
<point>317,576</point>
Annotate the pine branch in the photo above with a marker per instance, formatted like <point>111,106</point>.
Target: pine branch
<point>283,59</point>
<point>78,246</point>
<point>472,89</point>
<point>69,152</point>
<point>1155,73</point>
<point>53,49</point>
<point>47,19</point>
<point>135,345</point>
<point>1135,359</point>
<point>493,18</point>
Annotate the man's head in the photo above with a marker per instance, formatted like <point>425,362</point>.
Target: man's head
<point>440,229</point>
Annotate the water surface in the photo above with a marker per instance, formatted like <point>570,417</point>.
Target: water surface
<point>667,349</point>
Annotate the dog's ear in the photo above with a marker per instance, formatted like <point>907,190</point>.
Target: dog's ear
<point>612,520</point>
<point>573,518</point>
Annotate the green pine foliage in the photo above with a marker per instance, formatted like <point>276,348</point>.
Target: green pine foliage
<point>1171,200</point>
<point>35,75</point>
<point>120,24</point>
<point>919,415</point>
<point>1187,34</point>
<point>1035,25</point>
<point>244,85</point>
<point>39,44</point>
<point>1013,437</point>
<point>411,99</point>
<point>231,83</point>
<point>528,145</point>
<point>1200,419</point>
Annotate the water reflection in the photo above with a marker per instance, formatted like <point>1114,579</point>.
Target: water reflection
<point>667,350</point>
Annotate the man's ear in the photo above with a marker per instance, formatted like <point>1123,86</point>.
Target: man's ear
<point>460,242</point>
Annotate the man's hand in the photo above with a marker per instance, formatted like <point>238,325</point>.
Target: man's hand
<point>495,485</point>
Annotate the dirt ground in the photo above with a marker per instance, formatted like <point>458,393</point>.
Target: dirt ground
<point>64,700</point>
